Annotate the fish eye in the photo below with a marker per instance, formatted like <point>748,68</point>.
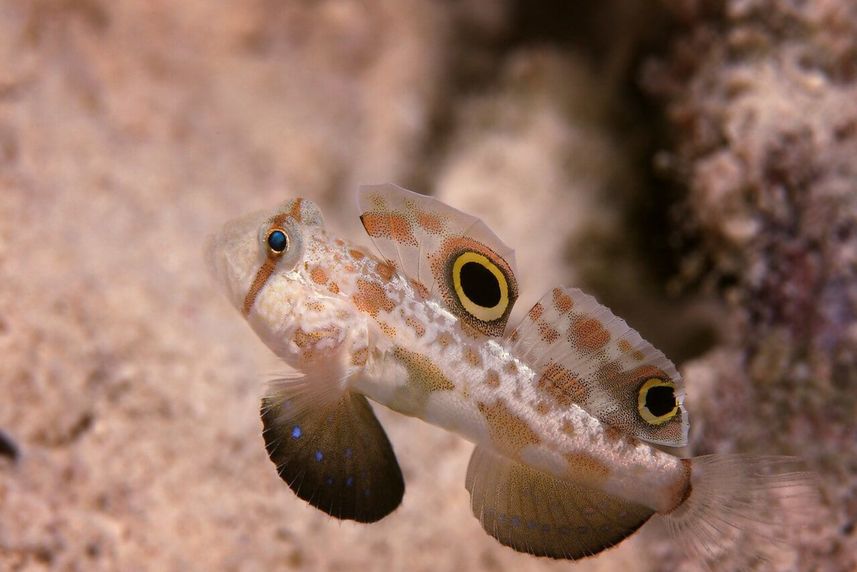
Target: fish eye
<point>656,401</point>
<point>277,240</point>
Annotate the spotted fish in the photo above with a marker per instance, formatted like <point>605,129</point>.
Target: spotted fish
<point>569,410</point>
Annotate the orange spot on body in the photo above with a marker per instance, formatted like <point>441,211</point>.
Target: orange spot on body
<point>508,431</point>
<point>561,385</point>
<point>371,298</point>
<point>568,428</point>
<point>356,254</point>
<point>386,270</point>
<point>444,339</point>
<point>422,372</point>
<point>492,378</point>
<point>587,467</point>
<point>359,357</point>
<point>420,289</point>
<point>472,357</point>
<point>387,328</point>
<point>308,341</point>
<point>543,407</point>
<point>588,334</point>
<point>333,287</point>
<point>536,312</point>
<point>624,345</point>
<point>416,325</point>
<point>318,275</point>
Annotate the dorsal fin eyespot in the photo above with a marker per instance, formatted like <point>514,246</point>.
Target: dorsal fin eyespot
<point>452,254</point>
<point>586,355</point>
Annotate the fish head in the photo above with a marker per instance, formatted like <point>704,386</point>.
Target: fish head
<point>264,250</point>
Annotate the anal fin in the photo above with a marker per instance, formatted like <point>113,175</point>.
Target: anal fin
<point>333,453</point>
<point>534,512</point>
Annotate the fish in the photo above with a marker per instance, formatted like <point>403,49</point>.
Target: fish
<point>574,416</point>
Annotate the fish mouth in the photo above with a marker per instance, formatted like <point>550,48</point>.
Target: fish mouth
<point>233,255</point>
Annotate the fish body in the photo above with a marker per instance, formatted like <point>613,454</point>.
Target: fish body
<point>567,410</point>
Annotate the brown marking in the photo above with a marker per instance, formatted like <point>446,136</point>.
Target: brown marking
<point>318,275</point>
<point>333,287</point>
<point>472,357</point>
<point>613,434</point>
<point>386,270</point>
<point>562,385</point>
<point>588,334</point>
<point>350,268</point>
<point>431,223</point>
<point>417,326</point>
<point>387,328</point>
<point>536,312</point>
<point>356,254</point>
<point>624,345</point>
<point>371,298</point>
<point>259,281</point>
<point>683,487</point>
<point>567,428</point>
<point>339,242</point>
<point>315,306</point>
<point>515,336</point>
<point>387,225</point>
<point>359,357</point>
<point>547,333</point>
<point>508,431</point>
<point>422,372</point>
<point>562,301</point>
<point>511,368</point>
<point>444,339</point>
<point>307,341</point>
<point>543,407</point>
<point>420,289</point>
<point>638,355</point>
<point>492,378</point>
<point>295,212</point>
<point>587,467</point>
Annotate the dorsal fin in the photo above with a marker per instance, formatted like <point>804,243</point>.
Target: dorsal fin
<point>455,256</point>
<point>585,354</point>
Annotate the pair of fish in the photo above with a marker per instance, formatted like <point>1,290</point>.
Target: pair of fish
<point>568,411</point>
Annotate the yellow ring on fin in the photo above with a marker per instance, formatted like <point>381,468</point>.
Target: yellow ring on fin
<point>647,415</point>
<point>475,310</point>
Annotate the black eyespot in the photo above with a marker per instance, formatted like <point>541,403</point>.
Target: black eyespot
<point>660,400</point>
<point>480,285</point>
<point>278,241</point>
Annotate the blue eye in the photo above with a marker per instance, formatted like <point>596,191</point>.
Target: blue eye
<point>278,241</point>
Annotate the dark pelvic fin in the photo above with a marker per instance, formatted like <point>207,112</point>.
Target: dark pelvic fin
<point>333,455</point>
<point>537,513</point>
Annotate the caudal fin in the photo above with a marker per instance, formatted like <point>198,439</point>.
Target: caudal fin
<point>742,509</point>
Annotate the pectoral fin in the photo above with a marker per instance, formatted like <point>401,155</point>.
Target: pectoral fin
<point>534,512</point>
<point>333,453</point>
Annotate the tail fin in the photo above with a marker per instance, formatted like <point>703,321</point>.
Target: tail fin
<point>740,506</point>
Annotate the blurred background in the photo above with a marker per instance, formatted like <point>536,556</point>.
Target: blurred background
<point>689,162</point>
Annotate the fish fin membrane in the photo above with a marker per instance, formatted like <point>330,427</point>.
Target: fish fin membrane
<point>743,509</point>
<point>424,237</point>
<point>584,354</point>
<point>534,512</point>
<point>332,452</point>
